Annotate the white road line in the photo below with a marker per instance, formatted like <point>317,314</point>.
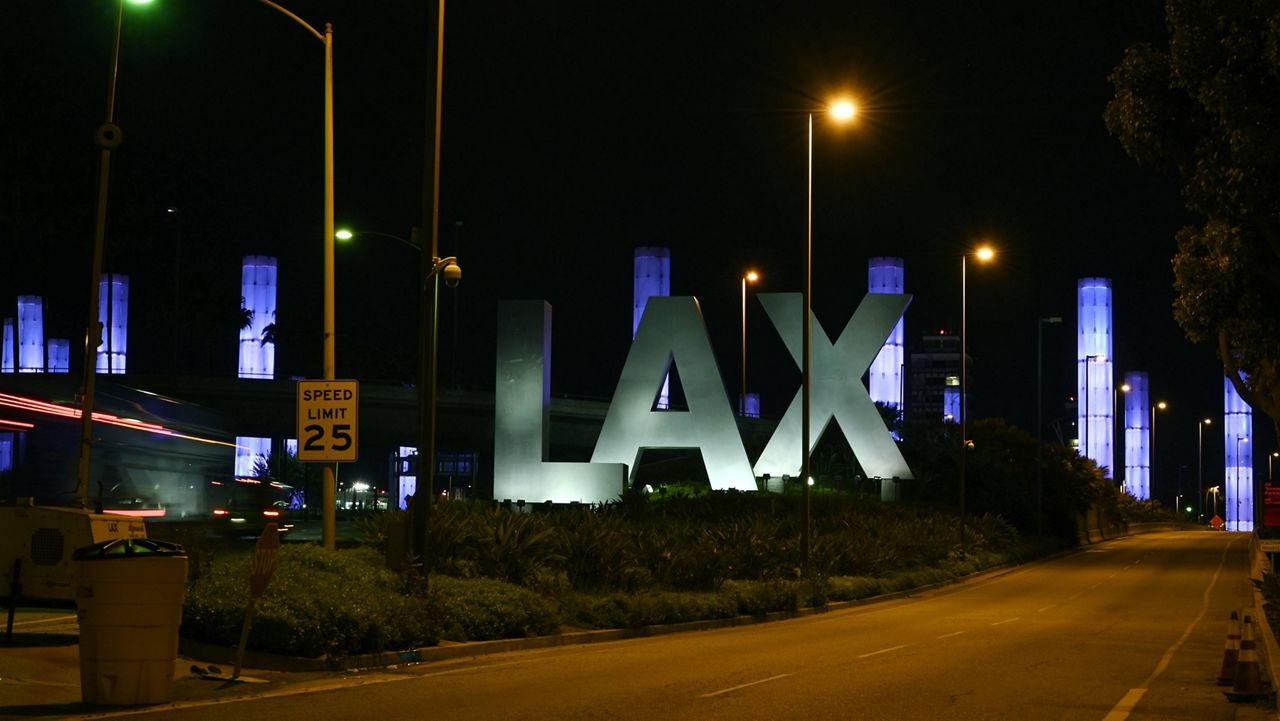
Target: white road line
<point>745,685</point>
<point>1046,608</point>
<point>949,635</point>
<point>883,650</point>
<point>1007,620</point>
<point>1122,709</point>
<point>55,619</point>
<point>1112,576</point>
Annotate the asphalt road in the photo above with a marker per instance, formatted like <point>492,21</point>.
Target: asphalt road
<point>1132,629</point>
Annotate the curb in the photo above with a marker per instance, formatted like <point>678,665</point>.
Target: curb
<point>192,648</point>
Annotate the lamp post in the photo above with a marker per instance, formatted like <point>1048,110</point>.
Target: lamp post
<point>983,254</point>
<point>108,137</point>
<point>432,268</point>
<point>1214,491</point>
<point>1052,320</point>
<point>749,277</point>
<point>841,111</point>
<point>1088,420</point>
<point>1119,430</point>
<point>329,491</point>
<point>1239,440</point>
<point>1270,458</point>
<point>1151,472</point>
<point>1200,459</point>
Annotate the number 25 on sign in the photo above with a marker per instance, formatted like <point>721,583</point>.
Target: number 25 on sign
<point>328,420</point>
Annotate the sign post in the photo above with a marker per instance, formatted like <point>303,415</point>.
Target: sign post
<point>328,425</point>
<point>266,554</point>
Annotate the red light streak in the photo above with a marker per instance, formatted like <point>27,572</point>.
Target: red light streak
<point>35,406</point>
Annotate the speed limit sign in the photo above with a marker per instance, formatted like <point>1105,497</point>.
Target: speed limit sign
<point>328,420</point>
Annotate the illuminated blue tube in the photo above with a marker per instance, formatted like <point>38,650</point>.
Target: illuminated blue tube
<point>1137,435</point>
<point>59,355</point>
<point>653,278</point>
<point>1095,422</point>
<point>249,450</point>
<point>951,400</point>
<point>258,295</point>
<point>30,334</point>
<point>1237,432</point>
<point>885,275</point>
<point>113,314</point>
<point>6,365</point>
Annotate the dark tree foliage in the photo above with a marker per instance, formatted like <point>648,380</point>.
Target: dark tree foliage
<point>1206,106</point>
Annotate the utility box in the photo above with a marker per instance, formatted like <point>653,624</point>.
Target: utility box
<point>129,595</point>
<point>36,544</point>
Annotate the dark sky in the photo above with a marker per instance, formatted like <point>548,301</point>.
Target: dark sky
<point>575,131</point>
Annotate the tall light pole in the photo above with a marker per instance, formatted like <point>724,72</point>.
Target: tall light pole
<point>1120,430</point>
<point>1270,458</point>
<point>1151,473</point>
<point>329,492</point>
<point>1052,320</point>
<point>1200,460</point>
<point>841,111</point>
<point>1239,440</point>
<point>983,254</point>
<point>1214,491</point>
<point>749,277</point>
<point>108,137</point>
<point>429,293</point>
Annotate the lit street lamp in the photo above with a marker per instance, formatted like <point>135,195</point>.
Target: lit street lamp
<point>330,492</point>
<point>1270,458</point>
<point>984,254</point>
<point>1239,440</point>
<point>1151,473</point>
<point>1214,491</point>
<point>108,137</point>
<point>1052,320</point>
<point>841,111</point>
<point>1200,460</point>
<point>749,277</point>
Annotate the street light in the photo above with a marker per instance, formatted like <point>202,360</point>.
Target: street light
<point>1151,472</point>
<point>1121,430</point>
<point>749,277</point>
<point>841,111</point>
<point>1200,459</point>
<point>1052,320</point>
<point>108,137</point>
<point>330,488</point>
<point>984,254</point>
<point>1274,455</point>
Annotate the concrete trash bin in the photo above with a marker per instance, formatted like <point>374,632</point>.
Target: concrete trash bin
<point>129,594</point>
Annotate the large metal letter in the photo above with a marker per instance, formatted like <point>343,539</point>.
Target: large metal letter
<point>522,401</point>
<point>837,389</point>
<point>673,330</point>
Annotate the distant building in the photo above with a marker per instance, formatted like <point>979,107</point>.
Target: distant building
<point>933,382</point>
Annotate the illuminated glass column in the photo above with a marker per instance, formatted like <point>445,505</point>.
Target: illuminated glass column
<point>10,343</point>
<point>1237,432</point>
<point>885,275</point>
<point>258,295</point>
<point>6,451</point>
<point>951,400</point>
<point>59,355</point>
<point>1137,435</point>
<point>113,313</point>
<point>30,334</point>
<point>249,450</point>
<point>1095,424</point>
<point>406,478</point>
<point>653,277</point>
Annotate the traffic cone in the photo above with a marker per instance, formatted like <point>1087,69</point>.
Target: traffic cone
<point>1227,675</point>
<point>1248,684</point>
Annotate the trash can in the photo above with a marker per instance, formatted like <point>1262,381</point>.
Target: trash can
<point>129,594</point>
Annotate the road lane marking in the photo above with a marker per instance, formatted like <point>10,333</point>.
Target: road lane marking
<point>745,685</point>
<point>1046,608</point>
<point>1123,709</point>
<point>1007,620</point>
<point>1126,705</point>
<point>883,650</point>
<point>55,619</point>
<point>949,635</point>
<point>1112,576</point>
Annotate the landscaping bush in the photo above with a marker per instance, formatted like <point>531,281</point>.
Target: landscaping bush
<point>319,603</point>
<point>481,609</point>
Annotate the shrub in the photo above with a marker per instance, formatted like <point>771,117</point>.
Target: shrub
<point>318,603</point>
<point>482,609</point>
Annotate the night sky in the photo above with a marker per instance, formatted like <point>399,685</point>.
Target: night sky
<point>576,131</point>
